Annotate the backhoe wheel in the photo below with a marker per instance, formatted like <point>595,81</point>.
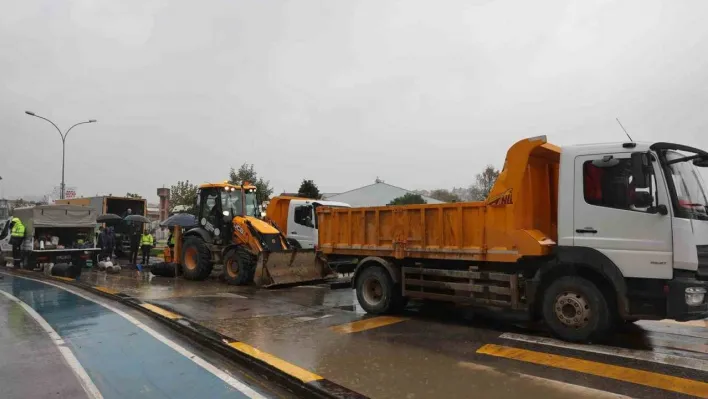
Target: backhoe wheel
<point>196,259</point>
<point>575,310</point>
<point>239,266</point>
<point>376,292</point>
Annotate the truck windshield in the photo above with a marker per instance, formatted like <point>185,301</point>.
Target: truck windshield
<point>231,201</point>
<point>252,204</point>
<point>690,188</point>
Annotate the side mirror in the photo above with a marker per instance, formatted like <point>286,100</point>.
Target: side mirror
<point>660,209</point>
<point>643,199</point>
<point>701,162</point>
<point>640,166</point>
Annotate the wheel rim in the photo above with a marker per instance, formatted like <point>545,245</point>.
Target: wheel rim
<point>232,268</point>
<point>372,291</point>
<point>572,309</point>
<point>190,258</point>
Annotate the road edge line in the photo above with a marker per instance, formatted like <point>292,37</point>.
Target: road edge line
<point>220,343</point>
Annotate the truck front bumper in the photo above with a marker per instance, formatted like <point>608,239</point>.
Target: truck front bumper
<point>684,288</point>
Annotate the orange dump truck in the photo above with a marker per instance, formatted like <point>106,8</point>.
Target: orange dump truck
<point>538,245</point>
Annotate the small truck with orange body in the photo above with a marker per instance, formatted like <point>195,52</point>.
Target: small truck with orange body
<point>583,237</point>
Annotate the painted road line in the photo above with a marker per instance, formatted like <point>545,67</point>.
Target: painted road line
<point>673,328</point>
<point>646,378</point>
<point>218,373</point>
<point>303,319</point>
<point>65,278</point>
<point>572,390</point>
<point>366,324</point>
<point>162,312</point>
<point>693,323</point>
<point>282,365</point>
<point>68,355</point>
<point>680,361</point>
<point>107,290</point>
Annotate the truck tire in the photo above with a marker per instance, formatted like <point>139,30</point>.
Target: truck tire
<point>239,267</point>
<point>376,292</point>
<point>294,243</point>
<point>196,259</point>
<point>575,310</point>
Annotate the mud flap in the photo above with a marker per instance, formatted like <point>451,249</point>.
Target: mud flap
<point>289,267</point>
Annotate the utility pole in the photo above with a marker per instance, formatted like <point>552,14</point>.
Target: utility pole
<point>63,145</point>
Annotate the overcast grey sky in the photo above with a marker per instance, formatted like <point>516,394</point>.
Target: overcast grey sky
<point>421,93</point>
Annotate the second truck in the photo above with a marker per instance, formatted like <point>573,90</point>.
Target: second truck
<point>583,237</point>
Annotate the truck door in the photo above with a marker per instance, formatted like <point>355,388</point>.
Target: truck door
<point>609,216</point>
<point>301,224</point>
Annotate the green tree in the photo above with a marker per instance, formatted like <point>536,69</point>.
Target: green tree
<point>184,194</point>
<point>247,173</point>
<point>308,189</point>
<point>444,195</point>
<point>133,195</point>
<point>408,199</point>
<point>484,183</point>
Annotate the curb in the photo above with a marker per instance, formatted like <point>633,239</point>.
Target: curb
<point>298,380</point>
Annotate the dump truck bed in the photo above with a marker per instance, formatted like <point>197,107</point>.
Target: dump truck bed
<point>518,219</point>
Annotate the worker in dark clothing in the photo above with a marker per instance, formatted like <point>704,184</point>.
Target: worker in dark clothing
<point>106,243</point>
<point>146,242</point>
<point>111,241</point>
<point>17,236</point>
<point>134,246</point>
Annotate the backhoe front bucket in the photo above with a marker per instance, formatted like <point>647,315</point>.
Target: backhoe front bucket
<point>289,267</point>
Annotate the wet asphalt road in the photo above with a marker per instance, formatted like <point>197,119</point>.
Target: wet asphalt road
<point>433,351</point>
<point>113,351</point>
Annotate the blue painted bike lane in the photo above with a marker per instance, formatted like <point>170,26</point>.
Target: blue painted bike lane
<point>122,359</point>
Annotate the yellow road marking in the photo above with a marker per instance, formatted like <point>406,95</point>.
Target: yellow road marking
<point>106,290</point>
<point>282,365</point>
<point>647,378</point>
<point>161,311</point>
<point>366,324</point>
<point>693,323</point>
<point>65,278</point>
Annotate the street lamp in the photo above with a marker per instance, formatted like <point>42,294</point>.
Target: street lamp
<point>63,144</point>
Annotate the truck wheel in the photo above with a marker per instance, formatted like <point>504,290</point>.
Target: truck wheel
<point>376,292</point>
<point>575,310</point>
<point>196,259</point>
<point>238,267</point>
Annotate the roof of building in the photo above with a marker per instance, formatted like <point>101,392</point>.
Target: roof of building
<point>377,194</point>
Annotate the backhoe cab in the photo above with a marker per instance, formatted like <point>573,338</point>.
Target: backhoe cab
<point>231,233</point>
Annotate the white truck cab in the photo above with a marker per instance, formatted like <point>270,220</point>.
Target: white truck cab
<point>302,227</point>
<point>640,209</point>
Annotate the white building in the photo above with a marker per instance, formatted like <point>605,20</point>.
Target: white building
<point>377,194</point>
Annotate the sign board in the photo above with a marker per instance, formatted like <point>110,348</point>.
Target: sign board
<point>69,193</point>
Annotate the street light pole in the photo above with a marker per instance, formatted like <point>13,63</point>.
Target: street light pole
<point>63,145</point>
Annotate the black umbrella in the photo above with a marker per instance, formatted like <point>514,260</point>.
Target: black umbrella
<point>180,219</point>
<point>137,218</point>
<point>108,217</point>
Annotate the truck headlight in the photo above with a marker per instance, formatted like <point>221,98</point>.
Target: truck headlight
<point>695,296</point>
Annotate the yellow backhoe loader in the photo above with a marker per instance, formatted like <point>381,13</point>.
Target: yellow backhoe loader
<point>231,233</point>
